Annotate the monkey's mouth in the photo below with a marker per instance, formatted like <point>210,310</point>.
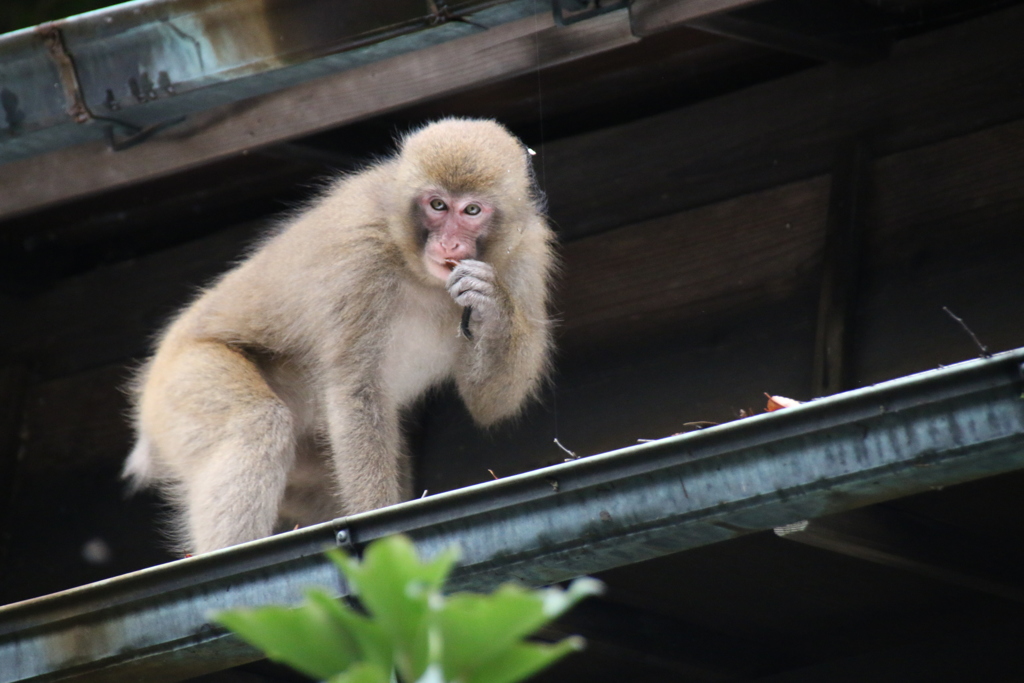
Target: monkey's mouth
<point>441,269</point>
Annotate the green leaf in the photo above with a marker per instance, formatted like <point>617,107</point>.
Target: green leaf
<point>308,638</point>
<point>372,642</point>
<point>362,673</point>
<point>411,630</point>
<point>478,628</point>
<point>397,590</point>
<point>394,558</point>
<point>521,661</point>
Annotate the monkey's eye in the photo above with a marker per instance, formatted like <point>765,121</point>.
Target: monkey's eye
<point>438,205</point>
<point>472,209</point>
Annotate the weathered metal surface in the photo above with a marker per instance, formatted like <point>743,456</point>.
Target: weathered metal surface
<point>378,83</point>
<point>895,439</point>
<point>148,61</point>
<point>144,65</point>
<point>153,625</point>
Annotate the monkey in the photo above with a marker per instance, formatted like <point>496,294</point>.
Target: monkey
<point>276,398</point>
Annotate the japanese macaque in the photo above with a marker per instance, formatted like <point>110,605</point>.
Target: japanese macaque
<point>276,398</point>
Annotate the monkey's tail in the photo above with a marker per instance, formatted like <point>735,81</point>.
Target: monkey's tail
<point>138,469</point>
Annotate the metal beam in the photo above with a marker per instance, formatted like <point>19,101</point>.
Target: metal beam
<point>827,456</point>
<point>238,97</point>
<point>147,62</point>
<point>365,82</point>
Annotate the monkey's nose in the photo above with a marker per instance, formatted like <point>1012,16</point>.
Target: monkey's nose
<point>453,251</point>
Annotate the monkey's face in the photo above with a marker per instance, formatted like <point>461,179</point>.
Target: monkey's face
<point>454,226</point>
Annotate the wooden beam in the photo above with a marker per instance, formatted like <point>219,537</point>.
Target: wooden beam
<point>654,16</point>
<point>111,314</point>
<point>78,424</point>
<point>651,278</point>
<point>844,239</point>
<point>890,537</point>
<point>498,53</point>
<point>944,231</point>
<point>939,85</point>
<point>847,31</point>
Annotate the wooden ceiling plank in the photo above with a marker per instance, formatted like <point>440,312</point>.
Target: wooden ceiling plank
<point>846,31</point>
<point>939,85</point>
<point>654,16</point>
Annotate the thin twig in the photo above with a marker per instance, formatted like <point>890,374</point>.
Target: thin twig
<point>424,494</point>
<point>981,347</point>
<point>492,473</point>
<point>572,454</point>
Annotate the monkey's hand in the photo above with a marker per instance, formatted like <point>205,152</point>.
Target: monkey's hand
<point>473,285</point>
<point>504,359</point>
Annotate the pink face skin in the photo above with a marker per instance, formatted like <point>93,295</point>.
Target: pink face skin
<point>454,224</point>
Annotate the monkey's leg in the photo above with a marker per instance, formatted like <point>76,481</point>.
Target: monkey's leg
<point>367,451</point>
<point>235,495</point>
<point>310,496</point>
<point>229,438</point>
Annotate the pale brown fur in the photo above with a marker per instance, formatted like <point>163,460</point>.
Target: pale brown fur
<point>294,368</point>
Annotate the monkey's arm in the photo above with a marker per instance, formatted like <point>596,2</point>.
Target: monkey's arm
<point>505,360</point>
<point>360,411</point>
<point>366,442</point>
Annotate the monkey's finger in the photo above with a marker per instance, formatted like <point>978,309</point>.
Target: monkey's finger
<point>471,284</point>
<point>481,303</point>
<point>467,312</point>
<point>477,269</point>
